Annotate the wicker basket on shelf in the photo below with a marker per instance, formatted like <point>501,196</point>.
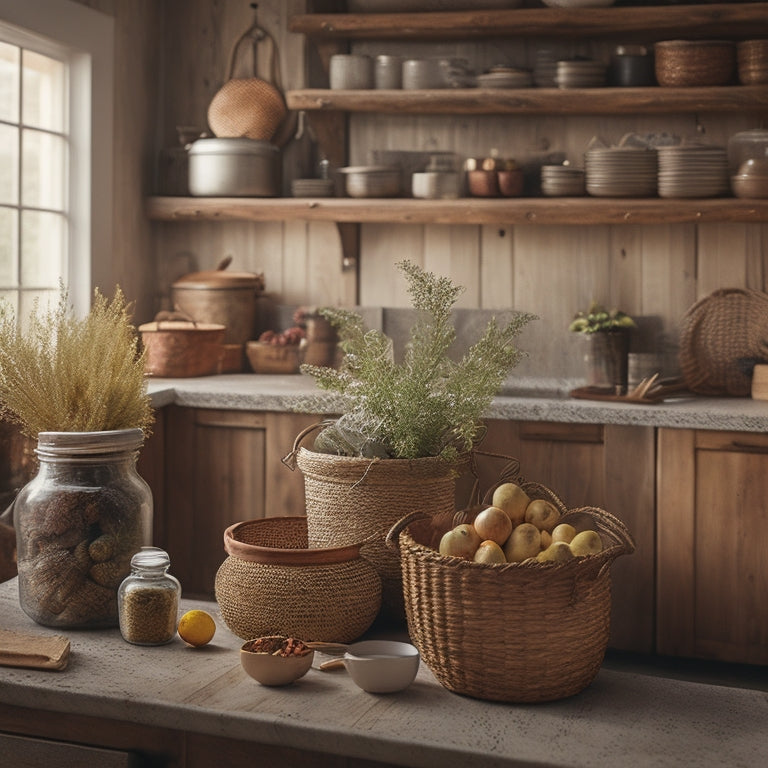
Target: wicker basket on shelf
<point>272,584</point>
<point>722,337</point>
<point>514,632</point>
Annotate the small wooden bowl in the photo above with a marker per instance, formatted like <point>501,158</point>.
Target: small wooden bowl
<point>269,669</point>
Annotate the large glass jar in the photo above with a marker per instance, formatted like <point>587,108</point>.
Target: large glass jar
<point>78,523</point>
<point>148,599</point>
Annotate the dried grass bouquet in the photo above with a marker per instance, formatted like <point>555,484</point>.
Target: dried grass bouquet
<point>68,375</point>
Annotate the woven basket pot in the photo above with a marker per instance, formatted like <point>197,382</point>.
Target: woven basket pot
<point>515,632</point>
<point>722,337</point>
<point>271,583</point>
<point>352,499</point>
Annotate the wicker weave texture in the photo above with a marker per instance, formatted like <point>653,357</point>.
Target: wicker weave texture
<point>518,632</point>
<point>722,336</point>
<point>246,108</point>
<point>334,602</point>
<point>354,499</point>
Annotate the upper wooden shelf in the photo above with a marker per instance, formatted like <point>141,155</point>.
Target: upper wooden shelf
<point>572,210</point>
<point>730,20</point>
<point>529,101</point>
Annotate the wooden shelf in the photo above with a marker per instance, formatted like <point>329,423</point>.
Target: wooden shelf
<point>536,101</point>
<point>574,210</point>
<point>741,20</point>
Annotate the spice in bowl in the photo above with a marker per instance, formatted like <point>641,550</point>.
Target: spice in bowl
<point>275,659</point>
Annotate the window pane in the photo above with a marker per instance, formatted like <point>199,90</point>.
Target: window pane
<point>9,165</point>
<point>9,82</point>
<point>42,171</point>
<point>43,89</point>
<point>43,248</point>
<point>9,234</point>
<point>45,301</point>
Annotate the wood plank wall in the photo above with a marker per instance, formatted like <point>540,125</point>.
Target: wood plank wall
<point>171,60</point>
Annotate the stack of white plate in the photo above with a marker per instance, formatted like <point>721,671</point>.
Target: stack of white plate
<point>562,181</point>
<point>312,187</point>
<point>691,170</point>
<point>578,73</point>
<point>621,172</point>
<point>545,69</point>
<point>505,77</point>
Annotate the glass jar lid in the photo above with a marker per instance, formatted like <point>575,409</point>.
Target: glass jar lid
<point>150,557</point>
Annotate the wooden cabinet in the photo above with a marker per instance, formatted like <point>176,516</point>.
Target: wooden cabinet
<point>606,466</point>
<point>712,560</point>
<point>222,466</point>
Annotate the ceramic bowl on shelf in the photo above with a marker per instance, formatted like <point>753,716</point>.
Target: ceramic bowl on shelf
<point>267,661</point>
<point>274,358</point>
<point>750,185</point>
<point>371,181</point>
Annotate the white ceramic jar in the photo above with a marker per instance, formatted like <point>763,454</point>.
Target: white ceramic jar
<point>351,72</point>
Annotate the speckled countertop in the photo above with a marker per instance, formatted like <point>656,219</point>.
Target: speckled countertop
<point>622,718</point>
<point>524,400</point>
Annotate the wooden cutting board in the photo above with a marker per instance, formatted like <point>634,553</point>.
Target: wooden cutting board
<point>35,651</point>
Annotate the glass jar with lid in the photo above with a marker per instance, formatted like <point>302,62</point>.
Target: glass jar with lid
<point>148,599</point>
<point>78,523</point>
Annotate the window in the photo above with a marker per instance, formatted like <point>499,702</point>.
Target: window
<point>55,150</point>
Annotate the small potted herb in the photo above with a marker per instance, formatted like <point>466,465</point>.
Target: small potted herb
<point>607,331</point>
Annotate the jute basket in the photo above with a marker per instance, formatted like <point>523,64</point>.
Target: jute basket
<point>271,583</point>
<point>515,632</point>
<point>354,499</point>
<point>722,337</point>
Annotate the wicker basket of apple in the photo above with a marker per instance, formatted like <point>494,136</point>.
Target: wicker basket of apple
<point>510,599</point>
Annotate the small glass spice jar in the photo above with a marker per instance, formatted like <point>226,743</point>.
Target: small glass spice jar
<point>148,599</point>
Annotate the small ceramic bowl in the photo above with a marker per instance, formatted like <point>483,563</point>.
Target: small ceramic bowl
<point>382,666</point>
<point>271,669</point>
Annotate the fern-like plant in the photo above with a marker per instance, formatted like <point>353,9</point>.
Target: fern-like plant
<point>63,374</point>
<point>428,405</point>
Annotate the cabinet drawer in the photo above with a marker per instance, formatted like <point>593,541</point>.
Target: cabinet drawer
<point>26,752</point>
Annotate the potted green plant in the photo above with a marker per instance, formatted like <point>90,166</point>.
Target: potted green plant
<point>607,332</point>
<point>77,387</point>
<point>406,428</point>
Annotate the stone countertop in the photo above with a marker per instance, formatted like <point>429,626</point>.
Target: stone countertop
<point>622,718</point>
<point>524,401</point>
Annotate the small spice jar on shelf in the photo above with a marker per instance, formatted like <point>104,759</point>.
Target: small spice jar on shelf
<point>148,599</point>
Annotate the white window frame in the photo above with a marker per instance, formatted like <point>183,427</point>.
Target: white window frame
<point>88,38</point>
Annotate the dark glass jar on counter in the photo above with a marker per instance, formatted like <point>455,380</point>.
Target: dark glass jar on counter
<point>78,523</point>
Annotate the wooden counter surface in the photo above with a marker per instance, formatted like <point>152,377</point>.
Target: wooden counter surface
<point>183,706</point>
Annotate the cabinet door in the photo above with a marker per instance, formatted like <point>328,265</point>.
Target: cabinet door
<point>712,561</point>
<point>215,470</point>
<point>605,466</point>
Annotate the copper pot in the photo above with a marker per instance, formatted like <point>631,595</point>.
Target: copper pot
<point>217,296</point>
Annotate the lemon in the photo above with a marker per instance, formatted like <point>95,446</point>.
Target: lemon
<point>196,628</point>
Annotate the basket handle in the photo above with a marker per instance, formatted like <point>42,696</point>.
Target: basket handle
<point>613,524</point>
<point>392,539</point>
<point>258,34</point>
<point>290,458</point>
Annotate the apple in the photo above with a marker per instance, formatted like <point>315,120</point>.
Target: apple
<point>494,524</point>
<point>461,541</point>
<point>513,500</point>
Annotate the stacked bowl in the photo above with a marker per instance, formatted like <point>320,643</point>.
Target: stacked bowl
<point>580,73</point>
<point>693,170</point>
<point>621,172</point>
<point>752,61</point>
<point>562,181</point>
